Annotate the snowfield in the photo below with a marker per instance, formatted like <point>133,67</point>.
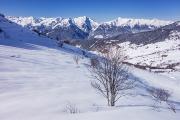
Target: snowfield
<point>159,54</point>
<point>39,84</point>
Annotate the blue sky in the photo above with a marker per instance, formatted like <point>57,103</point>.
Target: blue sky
<point>100,10</point>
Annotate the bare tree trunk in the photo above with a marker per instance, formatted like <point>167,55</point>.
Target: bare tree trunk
<point>112,101</point>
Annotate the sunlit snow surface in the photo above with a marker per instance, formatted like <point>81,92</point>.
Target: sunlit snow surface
<point>159,54</point>
<point>38,85</point>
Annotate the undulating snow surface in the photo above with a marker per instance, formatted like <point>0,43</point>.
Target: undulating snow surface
<point>38,84</point>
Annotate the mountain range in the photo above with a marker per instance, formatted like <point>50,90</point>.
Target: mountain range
<point>83,28</point>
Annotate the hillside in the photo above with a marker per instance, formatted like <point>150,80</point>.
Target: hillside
<point>40,84</point>
<point>157,49</point>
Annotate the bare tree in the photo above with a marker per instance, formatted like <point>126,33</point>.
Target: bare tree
<point>110,75</point>
<point>162,95</point>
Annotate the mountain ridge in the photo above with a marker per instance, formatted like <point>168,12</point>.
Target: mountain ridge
<point>81,28</point>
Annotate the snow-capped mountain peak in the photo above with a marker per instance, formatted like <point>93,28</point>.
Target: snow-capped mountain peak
<point>49,21</point>
<point>79,21</point>
<point>24,21</point>
<point>63,22</point>
<point>132,22</point>
<point>32,21</point>
<point>127,25</point>
<point>85,23</point>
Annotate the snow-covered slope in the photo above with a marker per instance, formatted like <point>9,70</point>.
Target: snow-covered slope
<point>85,23</point>
<point>40,84</point>
<point>165,55</point>
<point>159,48</point>
<point>17,34</point>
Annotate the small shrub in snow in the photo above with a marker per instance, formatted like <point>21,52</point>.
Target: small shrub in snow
<point>161,95</point>
<point>71,109</point>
